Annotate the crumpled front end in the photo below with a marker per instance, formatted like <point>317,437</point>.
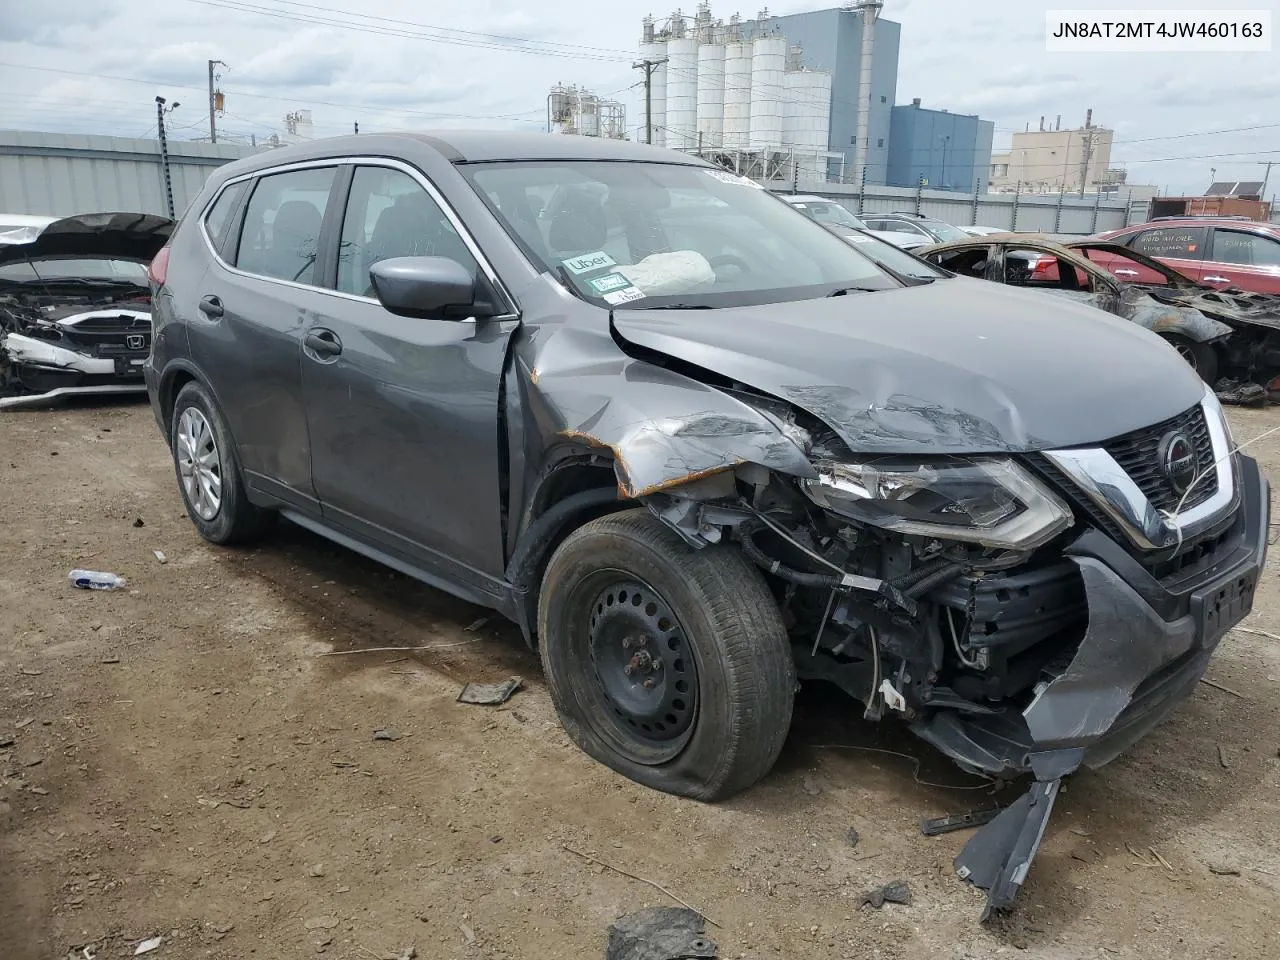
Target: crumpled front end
<point>1026,614</point>
<point>53,352</point>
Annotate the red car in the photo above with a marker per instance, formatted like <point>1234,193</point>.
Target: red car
<point>1218,252</point>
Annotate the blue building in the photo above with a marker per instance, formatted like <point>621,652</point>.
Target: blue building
<point>832,40</point>
<point>950,151</point>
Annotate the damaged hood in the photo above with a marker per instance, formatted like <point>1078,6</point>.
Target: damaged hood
<point>957,366</point>
<point>122,236</point>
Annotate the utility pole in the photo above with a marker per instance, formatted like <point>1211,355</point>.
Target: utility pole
<point>648,66</point>
<point>215,102</point>
<point>1086,150</point>
<point>164,154</point>
<point>1265,177</point>
<point>356,127</point>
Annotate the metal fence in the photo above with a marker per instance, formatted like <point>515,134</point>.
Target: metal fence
<point>55,174</point>
<point>1027,212</point>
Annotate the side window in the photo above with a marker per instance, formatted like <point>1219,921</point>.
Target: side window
<point>1248,249</point>
<point>218,220</point>
<point>967,263</point>
<point>389,215</point>
<point>281,230</point>
<point>1186,243</point>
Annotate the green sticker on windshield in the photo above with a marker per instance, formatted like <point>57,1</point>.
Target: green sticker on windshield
<point>610,281</point>
<point>588,262</point>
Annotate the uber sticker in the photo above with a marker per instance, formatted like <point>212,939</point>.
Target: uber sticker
<point>610,281</point>
<point>588,262</point>
<point>724,176</point>
<point>625,295</point>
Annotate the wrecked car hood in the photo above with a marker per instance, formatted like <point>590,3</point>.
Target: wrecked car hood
<point>958,365</point>
<point>125,236</point>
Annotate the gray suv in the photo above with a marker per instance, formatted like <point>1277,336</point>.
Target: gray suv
<point>696,446</point>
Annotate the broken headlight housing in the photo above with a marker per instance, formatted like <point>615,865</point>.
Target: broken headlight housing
<point>988,501</point>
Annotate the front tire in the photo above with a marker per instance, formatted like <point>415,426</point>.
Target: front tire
<point>204,459</point>
<point>1201,356</point>
<point>667,663</point>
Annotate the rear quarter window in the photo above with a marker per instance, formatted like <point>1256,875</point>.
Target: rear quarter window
<point>217,222</point>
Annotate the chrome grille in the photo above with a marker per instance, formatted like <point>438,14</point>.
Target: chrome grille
<point>1138,455</point>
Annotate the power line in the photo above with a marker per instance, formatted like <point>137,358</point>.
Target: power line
<point>244,7</point>
<point>569,47</point>
<point>365,108</point>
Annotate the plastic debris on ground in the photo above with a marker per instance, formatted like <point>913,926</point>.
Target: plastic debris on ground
<point>95,580</point>
<point>1241,393</point>
<point>896,891</point>
<point>660,933</point>
<point>146,946</point>
<point>489,694</point>
<point>159,554</point>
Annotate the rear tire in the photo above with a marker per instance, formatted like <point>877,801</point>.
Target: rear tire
<point>1201,356</point>
<point>705,708</point>
<point>204,459</point>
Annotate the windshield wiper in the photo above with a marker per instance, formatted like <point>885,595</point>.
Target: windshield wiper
<point>845,291</point>
<point>678,306</point>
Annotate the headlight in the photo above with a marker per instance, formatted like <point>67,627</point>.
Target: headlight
<point>992,502</point>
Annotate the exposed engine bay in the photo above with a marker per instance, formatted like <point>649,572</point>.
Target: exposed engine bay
<point>75,306</point>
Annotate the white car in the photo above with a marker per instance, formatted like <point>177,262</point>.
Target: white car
<point>75,304</point>
<point>977,230</point>
<point>830,212</point>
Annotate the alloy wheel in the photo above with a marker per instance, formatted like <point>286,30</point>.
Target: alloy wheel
<point>199,465</point>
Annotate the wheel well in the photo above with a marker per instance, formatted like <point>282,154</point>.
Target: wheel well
<point>572,496</point>
<point>169,394</point>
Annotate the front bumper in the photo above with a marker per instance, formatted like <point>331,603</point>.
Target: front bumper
<point>47,371</point>
<point>1146,646</point>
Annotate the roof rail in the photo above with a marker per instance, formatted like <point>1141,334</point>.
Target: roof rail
<point>1205,216</point>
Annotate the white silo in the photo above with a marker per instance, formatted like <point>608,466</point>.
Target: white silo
<point>654,51</point>
<point>711,94</point>
<point>807,110</point>
<point>682,94</point>
<point>737,95</point>
<point>768,61</point>
<point>589,122</point>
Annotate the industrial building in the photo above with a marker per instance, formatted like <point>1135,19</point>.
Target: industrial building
<point>776,97</point>
<point>1053,160</point>
<point>938,149</point>
<point>571,109</point>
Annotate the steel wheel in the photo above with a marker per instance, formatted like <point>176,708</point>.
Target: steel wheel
<point>646,676</point>
<point>199,465</point>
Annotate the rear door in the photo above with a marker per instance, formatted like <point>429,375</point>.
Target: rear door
<point>1182,247</point>
<point>1243,258</point>
<point>403,413</point>
<point>255,302</point>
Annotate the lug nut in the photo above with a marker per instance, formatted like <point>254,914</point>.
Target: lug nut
<point>657,664</point>
<point>628,670</point>
<point>648,684</point>
<point>626,643</point>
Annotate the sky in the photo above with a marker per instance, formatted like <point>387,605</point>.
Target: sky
<point>96,66</point>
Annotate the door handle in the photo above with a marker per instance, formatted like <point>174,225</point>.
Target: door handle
<point>323,344</point>
<point>1217,279</point>
<point>1126,273</point>
<point>211,307</point>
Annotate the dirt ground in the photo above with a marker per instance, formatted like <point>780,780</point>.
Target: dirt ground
<point>179,760</point>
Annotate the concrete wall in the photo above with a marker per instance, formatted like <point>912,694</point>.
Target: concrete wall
<point>62,174</point>
<point>832,40</point>
<point>951,151</point>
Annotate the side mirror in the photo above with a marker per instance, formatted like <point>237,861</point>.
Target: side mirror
<point>431,288</point>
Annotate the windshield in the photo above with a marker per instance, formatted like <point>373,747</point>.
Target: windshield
<point>828,211</point>
<point>889,256</point>
<point>945,232</point>
<point>659,235</point>
<point>76,268</point>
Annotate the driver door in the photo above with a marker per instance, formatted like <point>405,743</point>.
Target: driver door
<point>403,413</point>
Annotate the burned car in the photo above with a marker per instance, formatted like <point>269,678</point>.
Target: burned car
<point>1039,263</point>
<point>697,446</point>
<point>75,304</point>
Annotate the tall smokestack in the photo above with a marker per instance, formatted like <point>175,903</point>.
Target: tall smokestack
<point>1042,124</point>
<point>870,10</point>
<point>1057,124</point>
<point>1088,118</point>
